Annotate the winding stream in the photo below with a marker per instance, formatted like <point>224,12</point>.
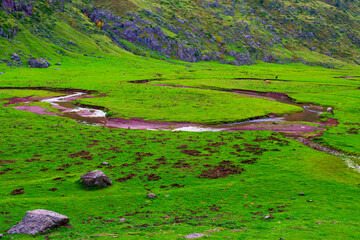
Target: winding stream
<point>97,117</point>
<point>288,124</point>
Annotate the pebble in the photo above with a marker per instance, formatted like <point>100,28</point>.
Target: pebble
<point>151,195</point>
<point>1,235</point>
<point>310,200</point>
<point>105,163</point>
<point>292,198</point>
<point>301,194</point>
<point>167,195</point>
<point>267,217</point>
<point>1,73</point>
<point>122,219</point>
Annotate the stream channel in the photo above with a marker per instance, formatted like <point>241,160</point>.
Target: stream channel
<point>291,125</point>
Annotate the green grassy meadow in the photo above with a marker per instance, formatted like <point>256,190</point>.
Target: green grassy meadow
<point>46,155</point>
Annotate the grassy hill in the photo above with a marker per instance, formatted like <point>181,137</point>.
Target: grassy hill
<point>235,32</point>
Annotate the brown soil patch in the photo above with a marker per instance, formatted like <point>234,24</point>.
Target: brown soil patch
<point>78,154</point>
<point>18,191</point>
<point>7,161</point>
<point>191,152</point>
<point>221,171</point>
<point>152,177</point>
<point>128,177</point>
<point>182,147</point>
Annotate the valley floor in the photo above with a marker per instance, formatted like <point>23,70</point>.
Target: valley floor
<point>227,185</point>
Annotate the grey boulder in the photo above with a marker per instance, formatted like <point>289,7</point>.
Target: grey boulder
<point>194,235</point>
<point>39,63</point>
<point>38,221</point>
<point>96,179</point>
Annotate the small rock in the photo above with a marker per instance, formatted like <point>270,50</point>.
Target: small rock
<point>1,73</point>
<point>71,43</point>
<point>194,235</point>
<point>38,221</point>
<point>301,194</point>
<point>1,235</point>
<point>151,195</point>
<point>267,217</point>
<point>167,195</point>
<point>105,163</point>
<point>96,179</point>
<point>292,198</point>
<point>56,69</point>
<point>58,64</point>
<point>310,200</point>
<point>122,219</point>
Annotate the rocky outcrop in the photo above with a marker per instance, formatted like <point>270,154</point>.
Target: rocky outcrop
<point>39,221</point>
<point>15,57</point>
<point>39,63</point>
<point>96,179</point>
<point>149,35</point>
<point>18,6</point>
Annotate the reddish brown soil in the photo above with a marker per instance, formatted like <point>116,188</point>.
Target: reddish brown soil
<point>331,122</point>
<point>141,124</point>
<point>221,171</point>
<point>280,127</point>
<point>18,191</point>
<point>18,100</point>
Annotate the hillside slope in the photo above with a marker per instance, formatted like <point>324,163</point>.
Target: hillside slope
<point>235,32</point>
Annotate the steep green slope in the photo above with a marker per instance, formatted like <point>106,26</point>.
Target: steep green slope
<point>238,32</point>
<point>233,32</point>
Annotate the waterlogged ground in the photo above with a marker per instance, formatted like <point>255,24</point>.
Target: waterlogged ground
<point>225,184</point>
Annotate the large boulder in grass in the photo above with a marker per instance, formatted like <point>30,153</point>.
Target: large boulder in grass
<point>96,179</point>
<point>39,63</point>
<point>38,221</point>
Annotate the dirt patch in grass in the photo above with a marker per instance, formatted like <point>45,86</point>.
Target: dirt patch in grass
<point>152,177</point>
<point>78,154</point>
<point>191,152</point>
<point>221,171</point>
<point>7,161</point>
<point>18,191</point>
<point>128,177</point>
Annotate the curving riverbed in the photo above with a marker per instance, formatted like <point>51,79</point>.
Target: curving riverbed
<point>97,117</point>
<point>292,124</point>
